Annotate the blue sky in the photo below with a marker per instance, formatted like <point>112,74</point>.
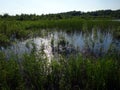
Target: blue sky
<point>13,7</point>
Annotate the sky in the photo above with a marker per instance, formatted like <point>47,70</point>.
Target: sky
<point>39,7</point>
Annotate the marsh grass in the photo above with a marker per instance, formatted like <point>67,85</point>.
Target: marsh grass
<point>64,74</point>
<point>25,29</point>
<point>33,72</point>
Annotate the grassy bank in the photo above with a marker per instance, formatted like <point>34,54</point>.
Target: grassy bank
<point>25,29</point>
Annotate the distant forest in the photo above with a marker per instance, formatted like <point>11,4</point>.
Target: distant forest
<point>109,14</point>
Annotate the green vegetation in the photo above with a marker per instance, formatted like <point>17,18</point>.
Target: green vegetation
<point>101,14</point>
<point>26,29</point>
<point>36,73</point>
<point>25,26</point>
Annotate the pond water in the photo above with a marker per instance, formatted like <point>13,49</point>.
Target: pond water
<point>95,43</point>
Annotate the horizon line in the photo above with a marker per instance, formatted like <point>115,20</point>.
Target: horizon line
<point>3,13</point>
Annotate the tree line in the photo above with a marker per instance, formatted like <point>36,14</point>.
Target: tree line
<point>114,14</point>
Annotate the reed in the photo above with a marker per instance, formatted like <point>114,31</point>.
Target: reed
<point>72,73</point>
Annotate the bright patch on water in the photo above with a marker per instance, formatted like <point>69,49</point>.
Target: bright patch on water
<point>95,43</point>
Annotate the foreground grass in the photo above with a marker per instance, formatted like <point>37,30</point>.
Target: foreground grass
<point>31,73</point>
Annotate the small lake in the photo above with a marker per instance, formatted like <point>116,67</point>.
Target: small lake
<point>94,43</point>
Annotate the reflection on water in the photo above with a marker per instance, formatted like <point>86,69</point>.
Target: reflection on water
<point>95,43</point>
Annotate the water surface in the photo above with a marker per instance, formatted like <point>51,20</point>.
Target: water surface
<point>94,43</point>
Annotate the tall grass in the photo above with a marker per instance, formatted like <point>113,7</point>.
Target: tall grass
<point>25,29</point>
<point>35,73</point>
